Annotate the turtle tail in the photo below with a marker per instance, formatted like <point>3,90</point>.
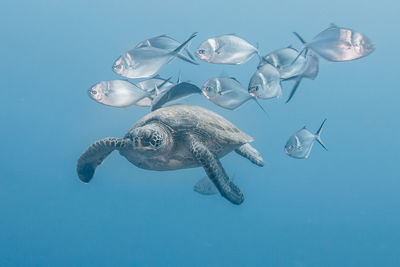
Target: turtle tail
<point>94,156</point>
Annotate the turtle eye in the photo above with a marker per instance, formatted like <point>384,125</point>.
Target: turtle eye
<point>136,141</point>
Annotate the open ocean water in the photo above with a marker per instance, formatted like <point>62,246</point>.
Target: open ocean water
<point>338,208</point>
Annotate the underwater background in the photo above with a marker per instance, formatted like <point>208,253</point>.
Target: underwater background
<point>337,208</point>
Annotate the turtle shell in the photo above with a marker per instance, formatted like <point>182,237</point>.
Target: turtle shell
<point>188,119</point>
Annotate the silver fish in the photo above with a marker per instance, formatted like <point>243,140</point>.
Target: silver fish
<point>116,93</point>
<point>310,71</point>
<point>154,87</point>
<point>175,92</point>
<point>265,83</point>
<point>226,49</point>
<point>284,61</point>
<point>146,61</point>
<point>300,144</point>
<point>168,43</point>
<point>205,187</point>
<point>339,44</point>
<point>225,92</point>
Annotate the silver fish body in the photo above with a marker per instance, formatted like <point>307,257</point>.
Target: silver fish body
<point>284,60</point>
<point>153,86</point>
<point>300,143</point>
<point>309,71</point>
<point>116,93</point>
<point>265,83</point>
<point>146,61</point>
<point>340,44</point>
<point>168,43</point>
<point>225,92</point>
<point>226,49</point>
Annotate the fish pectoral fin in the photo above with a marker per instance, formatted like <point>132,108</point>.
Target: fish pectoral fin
<point>219,50</point>
<point>224,92</point>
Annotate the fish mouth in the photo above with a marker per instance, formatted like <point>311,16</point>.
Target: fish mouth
<point>95,92</point>
<point>252,92</point>
<point>118,66</point>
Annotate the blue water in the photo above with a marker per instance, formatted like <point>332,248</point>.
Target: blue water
<point>337,208</point>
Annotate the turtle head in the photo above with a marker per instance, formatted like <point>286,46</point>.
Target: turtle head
<point>151,138</point>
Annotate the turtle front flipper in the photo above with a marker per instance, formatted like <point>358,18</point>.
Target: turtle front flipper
<point>94,156</point>
<point>216,172</point>
<point>251,154</point>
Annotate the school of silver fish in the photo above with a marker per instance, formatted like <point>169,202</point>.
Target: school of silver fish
<point>334,44</point>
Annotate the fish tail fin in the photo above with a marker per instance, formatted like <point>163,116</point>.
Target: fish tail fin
<point>184,44</point>
<point>318,135</point>
<point>300,38</point>
<point>163,83</point>
<point>187,59</point>
<point>258,103</point>
<point>303,49</point>
<point>294,89</point>
<point>189,53</point>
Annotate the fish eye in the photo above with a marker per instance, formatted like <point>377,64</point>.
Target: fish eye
<point>93,92</point>
<point>208,88</point>
<point>254,89</point>
<point>201,51</point>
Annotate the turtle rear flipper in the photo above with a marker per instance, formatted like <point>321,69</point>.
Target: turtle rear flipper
<point>216,172</point>
<point>94,156</point>
<point>251,154</point>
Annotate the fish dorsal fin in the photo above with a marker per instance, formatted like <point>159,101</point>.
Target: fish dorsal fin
<point>179,78</point>
<point>233,78</point>
<point>290,46</point>
<point>333,25</point>
<point>304,127</point>
<point>299,37</point>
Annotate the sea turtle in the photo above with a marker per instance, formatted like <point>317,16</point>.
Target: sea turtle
<point>177,137</point>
